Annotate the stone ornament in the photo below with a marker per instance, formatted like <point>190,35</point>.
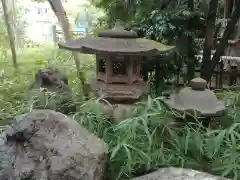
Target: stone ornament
<point>196,100</point>
<point>50,90</point>
<point>118,56</point>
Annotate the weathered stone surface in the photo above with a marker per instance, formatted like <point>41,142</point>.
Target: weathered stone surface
<point>178,174</point>
<point>50,90</point>
<point>197,101</point>
<point>47,145</point>
<point>115,112</point>
<point>123,111</point>
<point>198,84</point>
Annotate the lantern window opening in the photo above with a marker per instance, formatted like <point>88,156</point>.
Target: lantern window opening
<point>102,65</point>
<point>119,68</point>
<point>119,65</point>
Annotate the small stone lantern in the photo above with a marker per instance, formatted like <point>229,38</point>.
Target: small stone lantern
<point>196,100</point>
<point>118,53</point>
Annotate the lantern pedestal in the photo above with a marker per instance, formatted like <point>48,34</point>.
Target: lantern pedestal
<point>120,93</point>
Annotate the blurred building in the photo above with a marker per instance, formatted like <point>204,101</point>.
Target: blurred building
<point>40,19</point>
<point>41,22</point>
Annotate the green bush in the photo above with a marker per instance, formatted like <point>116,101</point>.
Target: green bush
<point>13,86</point>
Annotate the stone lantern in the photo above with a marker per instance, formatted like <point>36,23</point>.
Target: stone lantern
<point>118,53</point>
<point>196,100</point>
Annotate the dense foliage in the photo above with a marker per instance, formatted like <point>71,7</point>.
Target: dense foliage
<point>152,140</point>
<point>177,23</point>
<point>169,27</point>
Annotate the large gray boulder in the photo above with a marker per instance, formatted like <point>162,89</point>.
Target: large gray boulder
<point>178,174</point>
<point>47,145</point>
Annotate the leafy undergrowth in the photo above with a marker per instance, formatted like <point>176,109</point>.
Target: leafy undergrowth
<point>152,140</point>
<point>144,143</point>
<point>14,85</point>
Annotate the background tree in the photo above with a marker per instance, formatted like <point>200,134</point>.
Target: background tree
<point>172,22</point>
<point>61,15</point>
<point>169,22</point>
<point>10,32</point>
<point>229,30</point>
<point>191,58</point>
<point>208,43</point>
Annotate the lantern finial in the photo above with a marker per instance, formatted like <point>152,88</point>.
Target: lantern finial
<point>198,84</point>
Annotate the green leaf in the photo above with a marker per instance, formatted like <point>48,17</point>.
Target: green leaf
<point>218,141</point>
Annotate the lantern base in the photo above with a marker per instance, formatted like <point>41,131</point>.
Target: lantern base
<point>124,93</point>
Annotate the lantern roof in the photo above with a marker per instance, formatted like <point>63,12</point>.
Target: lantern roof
<point>197,100</point>
<point>116,41</point>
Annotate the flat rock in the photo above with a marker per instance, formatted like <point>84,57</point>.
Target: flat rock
<point>48,145</point>
<point>178,174</point>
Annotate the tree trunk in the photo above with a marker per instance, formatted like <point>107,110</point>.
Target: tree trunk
<point>191,58</point>
<point>227,33</point>
<point>208,43</point>
<point>229,7</point>
<point>11,5</point>
<point>60,13</point>
<point>10,33</point>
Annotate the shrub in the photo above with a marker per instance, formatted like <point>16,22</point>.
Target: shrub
<point>151,140</point>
